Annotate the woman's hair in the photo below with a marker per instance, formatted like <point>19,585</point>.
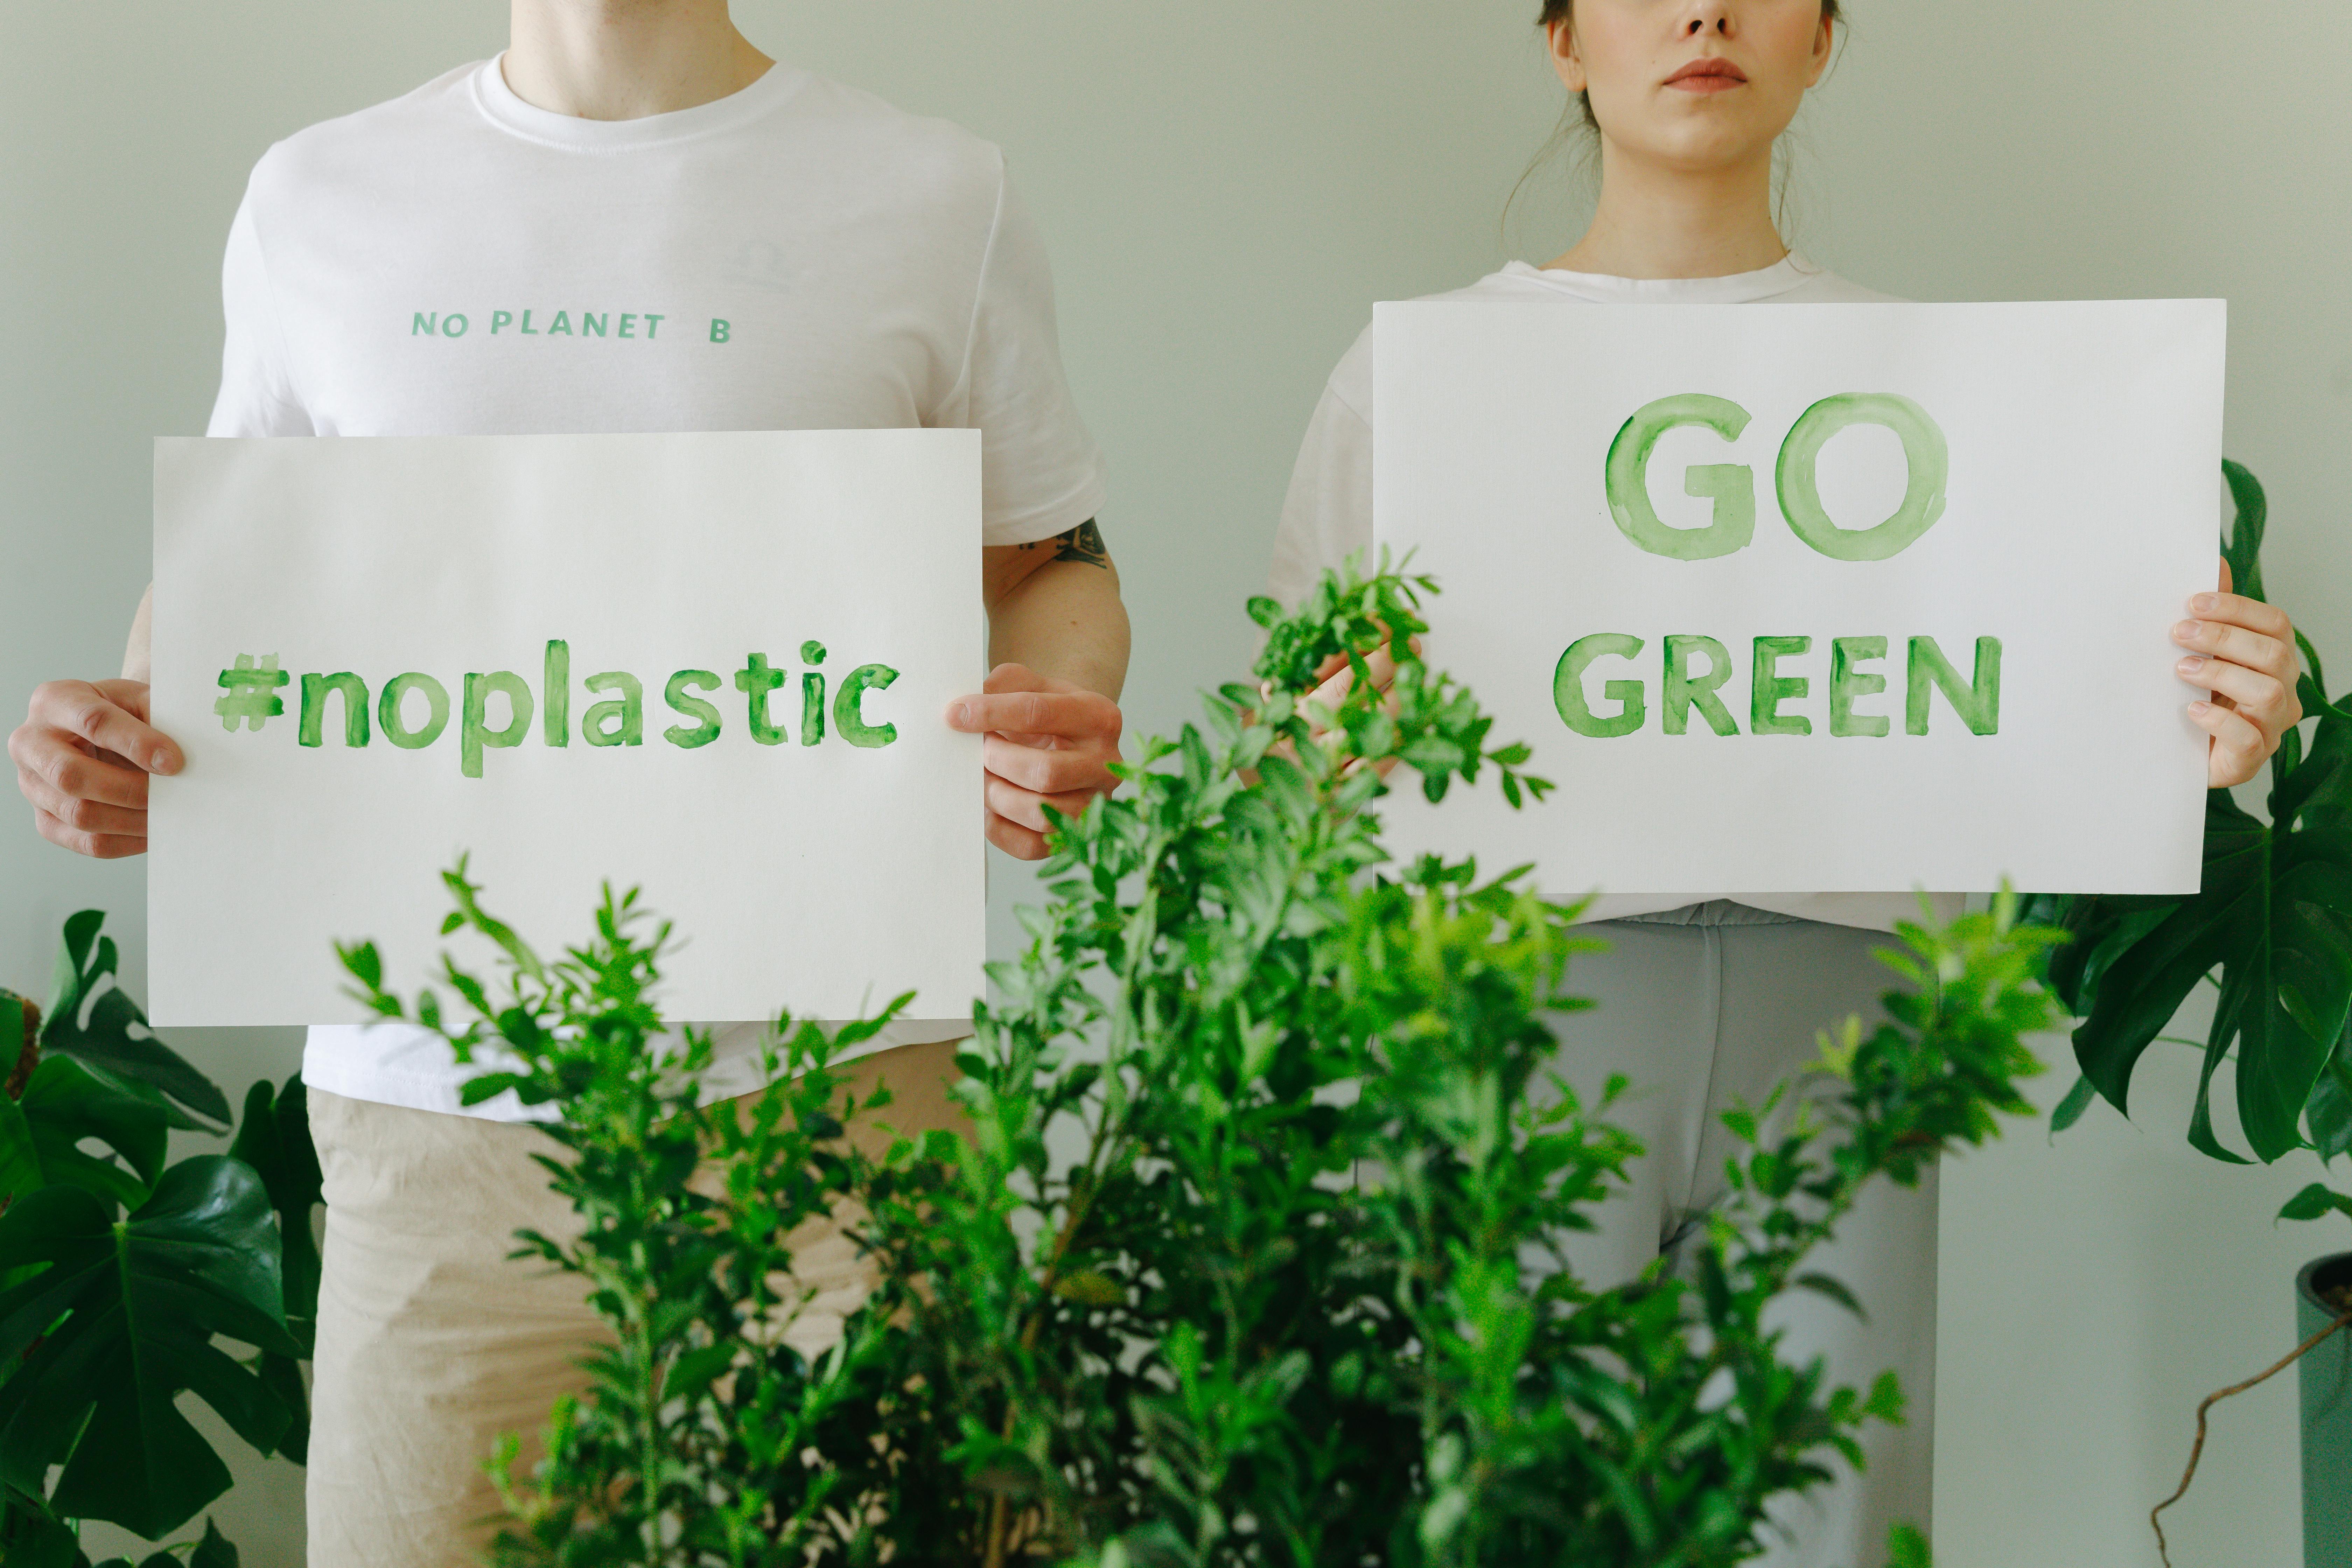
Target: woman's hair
<point>1563,10</point>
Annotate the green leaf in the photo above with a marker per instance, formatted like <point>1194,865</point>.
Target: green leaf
<point>1907,1547</point>
<point>2275,916</point>
<point>2316,1202</point>
<point>274,1139</point>
<point>2069,1109</point>
<point>92,1020</point>
<point>215,1551</point>
<point>118,1323</point>
<point>2242,548</point>
<point>67,1105</point>
<point>1823,1285</point>
<point>1089,1289</point>
<point>2328,1116</point>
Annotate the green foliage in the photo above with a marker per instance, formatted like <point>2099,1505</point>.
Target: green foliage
<point>118,1273</point>
<point>2272,928</point>
<point>1252,1249</point>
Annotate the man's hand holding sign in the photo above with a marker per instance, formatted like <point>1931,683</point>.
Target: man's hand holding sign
<point>1898,629</point>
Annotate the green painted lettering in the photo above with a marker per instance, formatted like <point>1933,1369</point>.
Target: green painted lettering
<point>314,709</point>
<point>653,325</point>
<point>1567,687</point>
<point>453,326</point>
<point>501,319</point>
<point>528,329</point>
<point>1848,682</point>
<point>473,732</point>
<point>1731,486</point>
<point>1771,688</point>
<point>720,331</point>
<point>555,694</point>
<point>848,710</point>
<point>437,710</point>
<point>595,324</point>
<point>628,326</point>
<point>756,680</point>
<point>705,729</point>
<point>562,323</point>
<point>619,721</point>
<point>1680,692</point>
<point>1797,479</point>
<point>1977,703</point>
<point>425,322</point>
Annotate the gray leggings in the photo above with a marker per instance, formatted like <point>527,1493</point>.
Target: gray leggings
<point>1714,1005</point>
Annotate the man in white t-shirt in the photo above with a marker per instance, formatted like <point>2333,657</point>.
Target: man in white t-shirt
<point>630,221</point>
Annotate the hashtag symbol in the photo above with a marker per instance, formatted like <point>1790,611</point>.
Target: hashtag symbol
<point>251,692</point>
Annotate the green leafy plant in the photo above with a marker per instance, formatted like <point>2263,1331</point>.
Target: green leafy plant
<point>119,1271</point>
<point>2270,929</point>
<point>1250,1250</point>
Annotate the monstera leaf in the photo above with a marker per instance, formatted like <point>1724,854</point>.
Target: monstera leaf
<point>275,1139</point>
<point>65,1104</point>
<point>94,1021</point>
<point>2273,919</point>
<point>117,1322</point>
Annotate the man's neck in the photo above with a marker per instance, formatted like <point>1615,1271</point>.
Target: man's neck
<point>1657,222</point>
<point>625,60</point>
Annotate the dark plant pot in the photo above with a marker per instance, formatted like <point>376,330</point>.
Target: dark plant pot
<point>2327,1418</point>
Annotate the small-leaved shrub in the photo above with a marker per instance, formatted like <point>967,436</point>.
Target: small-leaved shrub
<point>1297,1296</point>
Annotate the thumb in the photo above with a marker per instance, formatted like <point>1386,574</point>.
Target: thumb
<point>2226,581</point>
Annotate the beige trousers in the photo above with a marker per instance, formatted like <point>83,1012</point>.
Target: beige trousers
<point>433,1343</point>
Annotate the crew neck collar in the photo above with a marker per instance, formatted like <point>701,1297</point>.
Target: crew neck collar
<point>503,107</point>
<point>1791,271</point>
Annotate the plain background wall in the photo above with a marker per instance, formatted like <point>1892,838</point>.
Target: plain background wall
<point>1226,186</point>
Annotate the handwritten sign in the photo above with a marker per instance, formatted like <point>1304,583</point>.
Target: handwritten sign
<point>710,665</point>
<point>1833,598</point>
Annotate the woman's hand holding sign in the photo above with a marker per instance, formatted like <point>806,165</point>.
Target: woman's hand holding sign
<point>2242,651</point>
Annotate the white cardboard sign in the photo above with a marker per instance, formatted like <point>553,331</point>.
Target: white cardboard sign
<point>1835,598</point>
<point>711,666</point>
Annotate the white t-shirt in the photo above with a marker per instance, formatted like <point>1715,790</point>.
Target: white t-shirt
<point>796,256</point>
<point>1328,514</point>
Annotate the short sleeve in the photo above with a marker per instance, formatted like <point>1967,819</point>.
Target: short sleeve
<point>1328,516</point>
<point>1041,472</point>
<point>257,395</point>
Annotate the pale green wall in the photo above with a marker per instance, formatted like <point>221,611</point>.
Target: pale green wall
<point>1226,186</point>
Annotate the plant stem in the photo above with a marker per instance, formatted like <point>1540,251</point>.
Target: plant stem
<point>2197,1449</point>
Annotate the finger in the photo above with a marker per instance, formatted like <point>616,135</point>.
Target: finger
<point>88,815</point>
<point>1055,770</point>
<point>2238,610</point>
<point>1021,678</point>
<point>2236,645</point>
<point>1334,692</point>
<point>2239,749</point>
<point>1072,714</point>
<point>52,757</point>
<point>2229,578</point>
<point>1021,843</point>
<point>2264,699</point>
<point>81,709</point>
<point>1027,807</point>
<point>96,846</point>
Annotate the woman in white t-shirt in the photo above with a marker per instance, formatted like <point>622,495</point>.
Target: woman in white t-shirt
<point>1705,1000</point>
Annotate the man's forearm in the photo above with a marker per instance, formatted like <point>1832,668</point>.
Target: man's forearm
<point>1064,620</point>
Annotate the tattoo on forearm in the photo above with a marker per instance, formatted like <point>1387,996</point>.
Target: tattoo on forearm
<point>1083,544</point>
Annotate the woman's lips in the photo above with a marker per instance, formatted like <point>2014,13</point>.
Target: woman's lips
<point>1708,76</point>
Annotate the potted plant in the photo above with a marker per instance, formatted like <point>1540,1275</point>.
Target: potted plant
<point>120,1271</point>
<point>2271,930</point>
<point>1279,1306</point>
